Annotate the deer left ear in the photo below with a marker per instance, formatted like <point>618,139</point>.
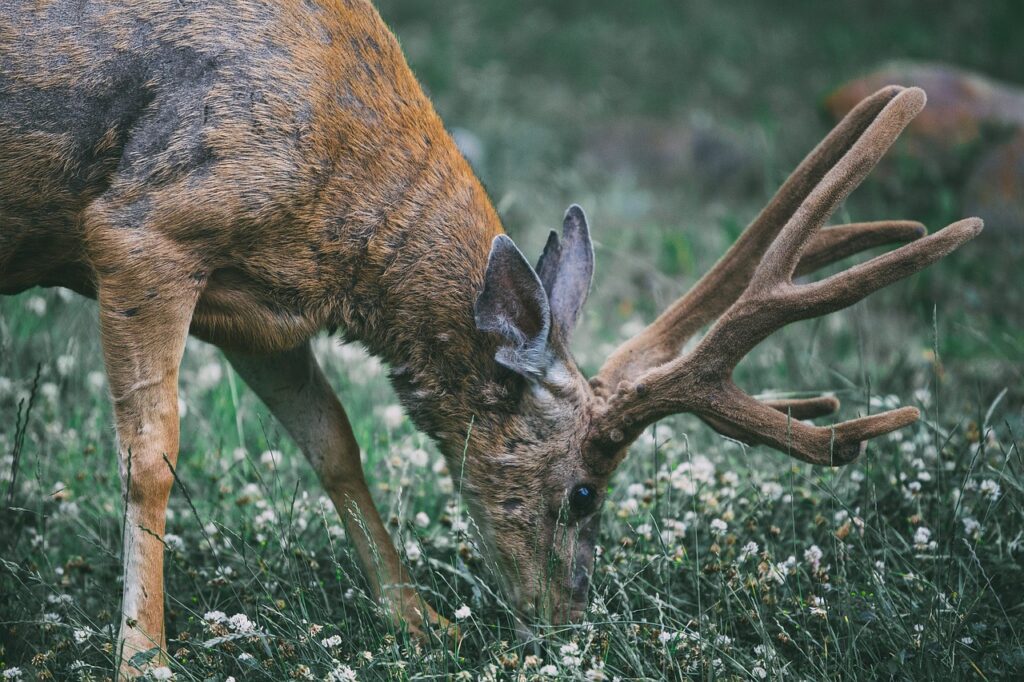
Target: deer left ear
<point>566,268</point>
<point>513,304</point>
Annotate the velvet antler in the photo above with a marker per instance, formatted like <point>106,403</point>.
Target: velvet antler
<point>752,289</point>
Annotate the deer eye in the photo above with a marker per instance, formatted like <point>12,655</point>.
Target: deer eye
<point>583,499</point>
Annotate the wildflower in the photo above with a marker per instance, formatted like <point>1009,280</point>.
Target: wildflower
<point>772,490</point>
<point>818,606</point>
<point>971,526</point>
<point>81,635</point>
<point>392,416</point>
<point>331,642</point>
<point>271,458</point>
<point>246,658</point>
<point>549,671</point>
<point>629,506</point>
<point>161,673</point>
<point>990,489</point>
<point>750,549</point>
<point>65,364</point>
<point>759,672</point>
<point>813,555</point>
<point>50,391</point>
<point>571,655</point>
<point>240,623</point>
<point>37,305</point>
<point>215,617</point>
<point>174,542</point>
<point>208,376</point>
<point>723,641</point>
<point>341,673</point>
<point>412,550</point>
<point>922,539</point>
<point>967,641</point>
<point>419,458</point>
<point>15,673</point>
<point>463,612</point>
<point>718,526</point>
<point>422,520</point>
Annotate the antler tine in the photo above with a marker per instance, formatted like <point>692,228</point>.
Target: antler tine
<point>836,243</point>
<point>701,382</point>
<point>661,341</point>
<point>781,258</point>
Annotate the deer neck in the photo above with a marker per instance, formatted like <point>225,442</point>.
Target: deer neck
<point>409,296</point>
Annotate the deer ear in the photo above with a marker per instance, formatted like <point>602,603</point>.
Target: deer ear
<point>513,304</point>
<point>566,268</point>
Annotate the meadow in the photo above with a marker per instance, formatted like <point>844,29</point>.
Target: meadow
<point>718,561</point>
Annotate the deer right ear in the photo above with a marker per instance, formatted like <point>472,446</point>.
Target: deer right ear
<point>513,304</point>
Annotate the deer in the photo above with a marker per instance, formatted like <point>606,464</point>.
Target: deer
<point>252,172</point>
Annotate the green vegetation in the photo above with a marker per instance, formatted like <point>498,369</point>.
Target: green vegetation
<point>718,561</point>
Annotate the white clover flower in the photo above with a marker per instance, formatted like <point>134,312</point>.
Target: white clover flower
<point>341,673</point>
<point>97,381</point>
<point>419,458</point>
<point>50,391</point>
<point>571,655</point>
<point>161,673</point>
<point>12,673</point>
<point>923,539</point>
<point>636,489</point>
<point>215,617</point>
<point>241,623</point>
<point>629,506</point>
<point>271,458</point>
<point>813,555</point>
<point>65,365</point>
<point>549,671</point>
<point>422,520</point>
<point>759,672</point>
<point>723,641</point>
<point>413,551</point>
<point>772,490</point>
<point>208,376</point>
<point>82,635</point>
<point>818,606</point>
<point>331,642</point>
<point>247,658</point>
<point>174,542</point>
<point>463,612</point>
<point>748,550</point>
<point>990,489</point>
<point>718,526</point>
<point>971,526</point>
<point>392,416</point>
<point>37,305</point>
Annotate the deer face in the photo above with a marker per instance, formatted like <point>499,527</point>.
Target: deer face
<point>533,494</point>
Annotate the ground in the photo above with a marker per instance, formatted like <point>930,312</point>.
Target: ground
<point>718,561</point>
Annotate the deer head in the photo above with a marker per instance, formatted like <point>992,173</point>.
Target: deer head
<point>539,492</point>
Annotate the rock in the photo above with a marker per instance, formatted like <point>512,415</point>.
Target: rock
<point>995,190</point>
<point>961,104</point>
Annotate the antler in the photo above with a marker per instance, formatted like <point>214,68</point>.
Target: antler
<point>644,380</point>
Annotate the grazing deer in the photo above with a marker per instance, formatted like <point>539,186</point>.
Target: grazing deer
<point>253,171</point>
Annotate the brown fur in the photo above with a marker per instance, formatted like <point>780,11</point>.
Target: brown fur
<point>253,171</point>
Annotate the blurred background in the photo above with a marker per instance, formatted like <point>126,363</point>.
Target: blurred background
<point>672,123</point>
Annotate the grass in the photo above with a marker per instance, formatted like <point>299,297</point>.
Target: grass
<point>904,565</point>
